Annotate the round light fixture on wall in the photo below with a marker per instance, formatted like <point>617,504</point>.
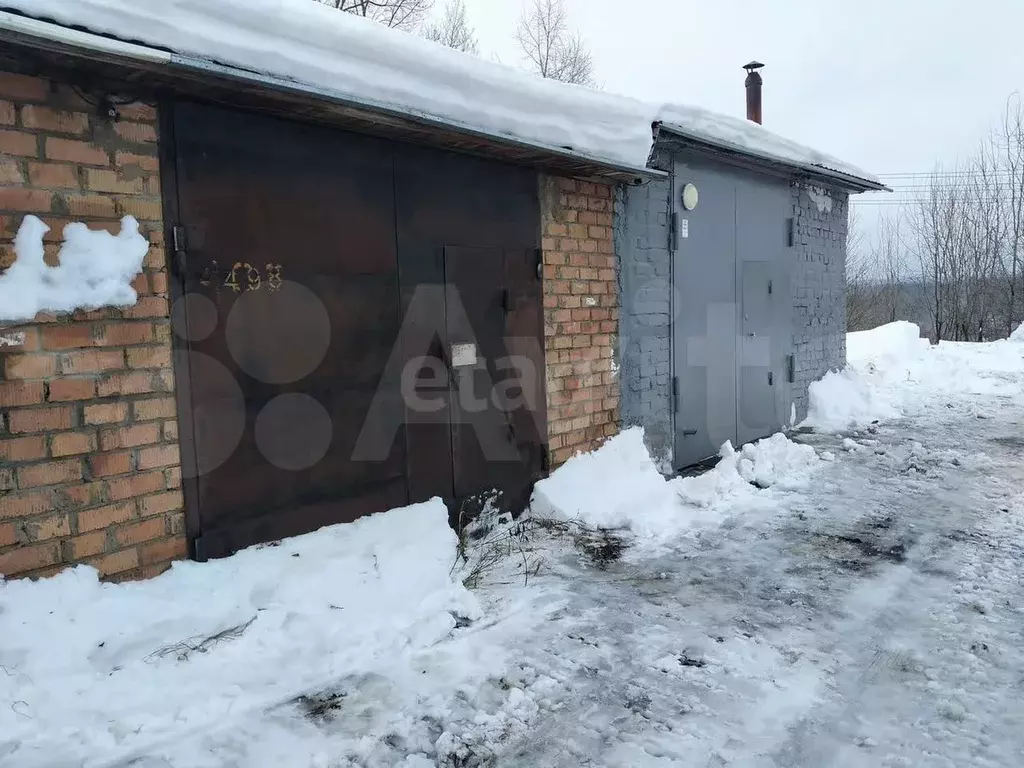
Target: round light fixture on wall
<point>690,197</point>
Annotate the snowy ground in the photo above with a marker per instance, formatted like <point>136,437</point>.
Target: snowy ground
<point>863,609</point>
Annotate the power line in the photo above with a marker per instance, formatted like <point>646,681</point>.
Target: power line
<point>933,174</point>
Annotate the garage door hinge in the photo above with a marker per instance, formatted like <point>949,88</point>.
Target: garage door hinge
<point>790,232</point>
<point>179,238</point>
<point>769,287</point>
<point>179,242</point>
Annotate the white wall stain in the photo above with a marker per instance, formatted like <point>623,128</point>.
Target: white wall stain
<point>821,198</point>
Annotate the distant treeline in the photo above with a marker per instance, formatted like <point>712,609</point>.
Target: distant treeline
<point>953,259</point>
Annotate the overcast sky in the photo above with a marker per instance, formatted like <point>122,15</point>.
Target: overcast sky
<point>892,86</point>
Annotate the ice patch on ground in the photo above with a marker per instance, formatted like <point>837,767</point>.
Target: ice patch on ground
<point>618,486</point>
<point>112,670</point>
<point>96,269</point>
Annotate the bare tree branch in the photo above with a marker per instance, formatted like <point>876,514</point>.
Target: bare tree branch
<point>453,29</point>
<point>1010,139</point>
<point>398,14</point>
<point>551,48</point>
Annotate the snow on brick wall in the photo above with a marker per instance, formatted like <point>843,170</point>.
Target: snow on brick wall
<point>95,269</point>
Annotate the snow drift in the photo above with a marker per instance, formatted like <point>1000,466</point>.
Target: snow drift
<point>106,671</point>
<point>96,269</point>
<point>892,372</point>
<point>356,59</point>
<point>619,486</point>
<point>1018,335</point>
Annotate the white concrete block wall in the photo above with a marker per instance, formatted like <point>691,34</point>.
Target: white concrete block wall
<point>819,285</point>
<point>645,342</point>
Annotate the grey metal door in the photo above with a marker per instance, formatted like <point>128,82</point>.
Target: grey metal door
<point>731,325</point>
<point>705,315</point>
<point>763,209</point>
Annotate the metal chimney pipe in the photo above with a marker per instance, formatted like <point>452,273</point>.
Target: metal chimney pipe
<point>753,85</point>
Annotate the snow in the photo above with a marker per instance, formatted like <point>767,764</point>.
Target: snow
<point>1018,335</point>
<point>893,372</point>
<point>888,343</point>
<point>619,486</point>
<point>355,59</point>
<point>95,269</point>
<point>844,400</point>
<point>103,670</point>
<point>862,609</point>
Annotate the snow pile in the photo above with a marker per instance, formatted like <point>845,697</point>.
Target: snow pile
<point>867,390</point>
<point>619,486</point>
<point>774,461</point>
<point>1018,335</point>
<point>845,400</point>
<point>96,269</point>
<point>616,486</point>
<point>893,372</point>
<point>354,59</point>
<point>886,346</point>
<point>102,672</point>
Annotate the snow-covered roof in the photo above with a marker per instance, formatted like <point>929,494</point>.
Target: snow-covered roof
<point>365,63</point>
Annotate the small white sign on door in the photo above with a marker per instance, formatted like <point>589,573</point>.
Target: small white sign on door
<point>684,227</point>
<point>463,355</point>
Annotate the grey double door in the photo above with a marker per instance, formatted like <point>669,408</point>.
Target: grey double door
<point>732,322</point>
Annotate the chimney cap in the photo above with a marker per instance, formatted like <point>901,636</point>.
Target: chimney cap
<point>752,66</point>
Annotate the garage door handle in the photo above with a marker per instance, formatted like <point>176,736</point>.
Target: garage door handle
<point>689,432</point>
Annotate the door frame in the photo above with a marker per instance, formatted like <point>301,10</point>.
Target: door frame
<point>168,160</point>
<point>168,156</point>
<point>743,170</point>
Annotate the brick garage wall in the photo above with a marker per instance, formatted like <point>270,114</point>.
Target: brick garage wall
<point>89,468</point>
<point>818,285</point>
<point>581,315</point>
<point>642,229</point>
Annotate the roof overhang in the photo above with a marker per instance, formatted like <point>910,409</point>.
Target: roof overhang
<point>82,52</point>
<point>680,138</point>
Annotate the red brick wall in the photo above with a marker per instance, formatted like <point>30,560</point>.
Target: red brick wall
<point>581,315</point>
<point>89,468</point>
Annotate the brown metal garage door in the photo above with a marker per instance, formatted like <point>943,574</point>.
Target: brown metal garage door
<point>316,266</point>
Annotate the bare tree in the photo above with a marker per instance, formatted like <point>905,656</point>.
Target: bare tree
<point>1010,139</point>
<point>453,29</point>
<point>399,14</point>
<point>859,278</point>
<point>553,50</point>
<point>878,285</point>
<point>890,263</point>
<point>960,230</point>
<point>967,231</point>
